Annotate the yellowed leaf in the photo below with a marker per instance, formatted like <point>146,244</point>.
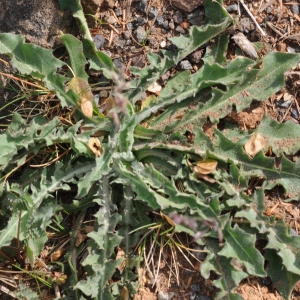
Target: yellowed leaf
<point>95,146</point>
<point>150,99</point>
<point>86,97</point>
<point>168,219</point>
<point>255,144</point>
<point>124,293</point>
<point>205,167</point>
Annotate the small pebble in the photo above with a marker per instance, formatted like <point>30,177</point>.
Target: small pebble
<point>291,50</point>
<point>177,17</point>
<point>160,20</point>
<point>139,22</point>
<point>143,5</point>
<point>152,13</point>
<point>201,297</point>
<point>196,56</point>
<point>295,114</point>
<point>282,103</point>
<point>195,288</point>
<point>171,24</point>
<point>126,35</point>
<point>111,20</point>
<point>166,25</point>
<point>163,44</point>
<point>293,232</point>
<point>99,41</point>
<point>165,296</point>
<point>295,9</point>
<point>130,26</point>
<point>268,9</point>
<point>232,8</point>
<point>118,63</point>
<point>140,34</point>
<point>195,17</point>
<point>185,65</point>
<point>180,29</point>
<point>119,12</point>
<point>103,94</point>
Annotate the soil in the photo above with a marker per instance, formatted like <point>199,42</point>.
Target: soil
<point>280,22</point>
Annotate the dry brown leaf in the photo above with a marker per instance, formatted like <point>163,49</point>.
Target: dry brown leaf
<point>95,146</point>
<point>80,238</point>
<point>121,254</point>
<point>255,144</point>
<point>56,255</point>
<point>167,219</point>
<point>109,104</point>
<point>124,293</point>
<point>204,167</point>
<point>86,97</point>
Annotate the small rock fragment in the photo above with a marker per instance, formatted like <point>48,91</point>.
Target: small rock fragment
<point>295,114</point>
<point>111,20</point>
<point>143,5</point>
<point>130,26</point>
<point>140,34</point>
<point>171,24</point>
<point>282,103</point>
<point>139,22</point>
<point>103,94</point>
<point>118,63</point>
<point>126,35</point>
<point>119,12</point>
<point>180,29</point>
<point>166,25</point>
<point>165,296</point>
<point>196,56</point>
<point>154,88</point>
<point>177,17</point>
<point>232,8</point>
<point>152,13</point>
<point>99,41</point>
<point>185,25</point>
<point>163,44</point>
<point>185,65</point>
<point>187,5</point>
<point>295,9</point>
<point>196,17</point>
<point>160,20</point>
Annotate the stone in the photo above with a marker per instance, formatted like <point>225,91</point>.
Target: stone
<point>99,41</point>
<point>152,13</point>
<point>126,35</point>
<point>111,20</point>
<point>165,296</point>
<point>185,65</point>
<point>196,17</point>
<point>119,12</point>
<point>118,63</point>
<point>171,24</point>
<point>160,20</point>
<point>166,25</point>
<point>196,56</point>
<point>177,17</point>
<point>295,9</point>
<point>140,34</point>
<point>143,5</point>
<point>180,29</point>
<point>232,8</point>
<point>38,21</point>
<point>187,5</point>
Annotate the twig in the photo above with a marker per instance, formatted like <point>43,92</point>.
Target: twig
<point>270,25</point>
<point>252,17</point>
<point>280,14</point>
<point>8,292</point>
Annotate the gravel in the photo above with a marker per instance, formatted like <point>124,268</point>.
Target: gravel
<point>140,34</point>
<point>180,29</point>
<point>99,41</point>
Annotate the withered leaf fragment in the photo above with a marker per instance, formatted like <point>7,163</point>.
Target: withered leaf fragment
<point>255,144</point>
<point>95,146</point>
<point>245,45</point>
<point>86,97</point>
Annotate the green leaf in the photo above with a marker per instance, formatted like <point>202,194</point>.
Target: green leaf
<point>229,276</point>
<point>240,245</point>
<point>28,58</point>
<point>282,280</point>
<point>77,58</point>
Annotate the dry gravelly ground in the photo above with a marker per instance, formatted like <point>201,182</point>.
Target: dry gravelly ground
<point>280,21</point>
